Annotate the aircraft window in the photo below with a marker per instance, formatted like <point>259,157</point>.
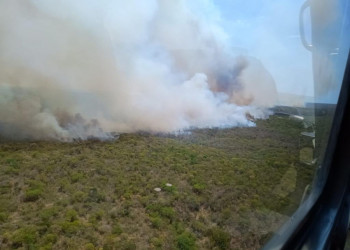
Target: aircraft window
<point>164,124</point>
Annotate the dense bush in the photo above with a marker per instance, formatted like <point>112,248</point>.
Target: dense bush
<point>97,195</point>
<point>32,194</point>
<point>186,241</point>
<point>219,237</point>
<point>25,236</point>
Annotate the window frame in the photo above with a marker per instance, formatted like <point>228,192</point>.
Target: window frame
<point>321,222</point>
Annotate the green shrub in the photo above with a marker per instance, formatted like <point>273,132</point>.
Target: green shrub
<point>156,210</point>
<point>47,214</point>
<point>186,241</point>
<point>11,171</point>
<point>198,188</point>
<point>89,246</point>
<point>156,222</point>
<point>109,243</point>
<point>75,177</point>
<point>193,159</point>
<point>171,189</point>
<point>3,217</point>
<point>113,213</point>
<point>220,238</point>
<point>127,245</point>
<point>50,238</point>
<point>157,242</point>
<point>12,162</point>
<point>198,227</point>
<point>226,213</point>
<point>35,190</point>
<point>70,228</point>
<point>167,212</point>
<point>99,214</point>
<point>71,215</point>
<point>117,229</point>
<point>95,196</point>
<point>79,196</point>
<point>26,235</point>
<point>34,184</point>
<point>5,188</point>
<point>32,194</point>
<point>46,247</point>
<point>64,185</point>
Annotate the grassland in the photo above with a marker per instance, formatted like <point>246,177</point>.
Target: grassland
<point>231,189</point>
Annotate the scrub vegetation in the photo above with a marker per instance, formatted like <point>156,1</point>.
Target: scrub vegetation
<point>231,189</point>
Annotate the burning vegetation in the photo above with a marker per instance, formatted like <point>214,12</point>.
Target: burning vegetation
<point>137,68</point>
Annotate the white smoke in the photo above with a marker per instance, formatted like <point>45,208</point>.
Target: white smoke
<point>73,69</point>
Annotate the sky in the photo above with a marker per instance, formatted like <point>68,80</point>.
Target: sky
<point>269,31</point>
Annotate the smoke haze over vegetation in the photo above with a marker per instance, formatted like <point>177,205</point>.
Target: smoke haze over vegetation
<point>77,69</point>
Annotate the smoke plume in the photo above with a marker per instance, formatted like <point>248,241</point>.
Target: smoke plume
<point>75,69</point>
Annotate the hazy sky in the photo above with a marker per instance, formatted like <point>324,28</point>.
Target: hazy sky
<point>269,30</point>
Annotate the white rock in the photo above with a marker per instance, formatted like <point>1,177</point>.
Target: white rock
<point>157,189</point>
<point>169,185</point>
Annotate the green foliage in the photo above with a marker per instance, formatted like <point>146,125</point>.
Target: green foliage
<point>89,246</point>
<point>199,227</point>
<point>96,216</point>
<point>128,245</point>
<point>171,189</point>
<point>198,187</point>
<point>125,244</point>
<point>117,229</point>
<point>35,190</point>
<point>34,184</point>
<point>220,238</point>
<point>156,222</point>
<point>12,163</point>
<point>186,241</point>
<point>75,177</point>
<point>3,216</point>
<point>157,242</point>
<point>48,214</point>
<point>70,228</point>
<point>32,194</point>
<point>95,196</point>
<point>167,212</point>
<point>92,194</point>
<point>193,159</point>
<point>50,238</point>
<point>79,196</point>
<point>26,235</point>
<point>160,210</point>
<point>71,215</point>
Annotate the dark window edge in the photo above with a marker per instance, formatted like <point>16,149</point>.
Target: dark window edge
<point>316,221</point>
